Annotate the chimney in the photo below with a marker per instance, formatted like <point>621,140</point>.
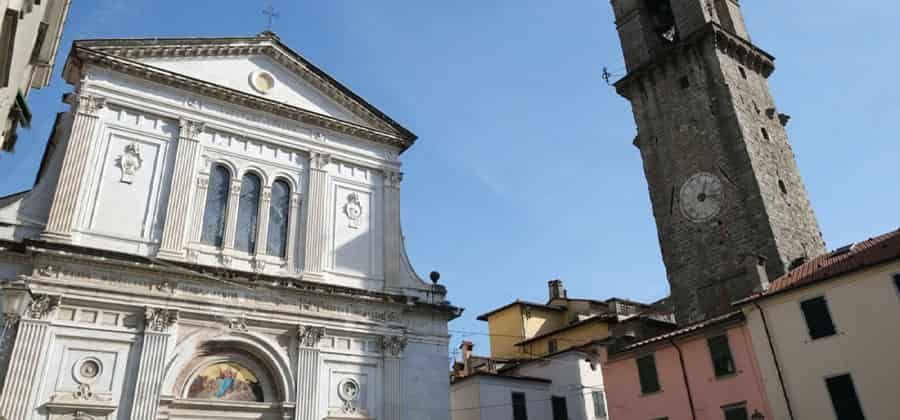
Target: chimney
<point>466,347</point>
<point>557,290</point>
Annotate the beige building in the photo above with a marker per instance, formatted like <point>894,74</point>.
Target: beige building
<point>826,334</point>
<point>29,37</point>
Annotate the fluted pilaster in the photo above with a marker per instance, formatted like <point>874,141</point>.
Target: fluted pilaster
<point>308,338</point>
<point>65,199</point>
<point>393,347</point>
<point>234,199</point>
<point>177,213</point>
<point>293,221</point>
<point>154,352</point>
<point>392,239</point>
<point>28,358</point>
<point>199,207</point>
<point>316,246</point>
<point>262,231</point>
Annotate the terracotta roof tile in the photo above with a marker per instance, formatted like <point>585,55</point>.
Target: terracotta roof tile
<point>844,260</point>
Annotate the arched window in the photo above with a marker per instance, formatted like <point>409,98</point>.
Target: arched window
<point>248,214</point>
<point>278,219</point>
<point>216,202</point>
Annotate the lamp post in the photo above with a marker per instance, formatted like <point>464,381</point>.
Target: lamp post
<point>15,298</point>
<point>757,415</point>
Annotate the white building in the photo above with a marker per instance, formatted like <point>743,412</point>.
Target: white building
<point>215,233</point>
<point>30,31</point>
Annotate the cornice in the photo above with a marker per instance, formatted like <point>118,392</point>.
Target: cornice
<point>154,74</point>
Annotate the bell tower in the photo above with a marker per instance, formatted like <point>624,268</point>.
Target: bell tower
<point>730,206</point>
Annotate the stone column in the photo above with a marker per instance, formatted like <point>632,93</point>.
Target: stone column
<point>262,230</point>
<point>316,247</point>
<point>178,210</point>
<point>72,174</point>
<point>199,207</point>
<point>308,372</point>
<point>151,371</point>
<point>231,213</point>
<point>393,242</point>
<point>293,220</point>
<point>28,358</point>
<point>393,347</point>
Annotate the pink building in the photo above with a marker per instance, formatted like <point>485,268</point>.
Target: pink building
<point>706,371</point>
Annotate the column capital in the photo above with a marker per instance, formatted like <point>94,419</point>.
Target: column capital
<point>296,199</point>
<point>393,345</point>
<point>319,160</point>
<point>392,178</point>
<point>190,129</point>
<point>42,307</point>
<point>89,105</point>
<point>159,320</point>
<point>310,336</point>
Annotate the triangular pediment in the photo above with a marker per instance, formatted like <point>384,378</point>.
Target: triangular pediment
<point>258,69</point>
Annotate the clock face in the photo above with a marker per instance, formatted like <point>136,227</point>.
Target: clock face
<point>702,196</point>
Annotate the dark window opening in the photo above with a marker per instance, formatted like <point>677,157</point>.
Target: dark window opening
<point>743,72</point>
<point>738,412</point>
<point>7,44</point>
<point>684,82</point>
<point>818,319</point>
<point>720,351</point>
<point>218,187</point>
<point>599,404</point>
<point>518,405</point>
<point>552,346</point>
<point>782,187</point>
<point>663,20</point>
<point>897,282</point>
<point>843,398</point>
<point>647,374</point>
<point>560,411</point>
<point>765,133</point>
<point>39,43</point>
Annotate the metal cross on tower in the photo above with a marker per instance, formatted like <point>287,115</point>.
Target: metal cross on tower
<point>269,11</point>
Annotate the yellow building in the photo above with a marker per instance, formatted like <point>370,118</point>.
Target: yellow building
<point>528,329</point>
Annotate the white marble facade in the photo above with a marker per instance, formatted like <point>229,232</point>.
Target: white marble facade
<point>217,207</point>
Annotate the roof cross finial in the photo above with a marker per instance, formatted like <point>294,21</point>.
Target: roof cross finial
<point>269,11</point>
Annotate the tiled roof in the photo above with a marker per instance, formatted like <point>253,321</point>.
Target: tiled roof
<point>484,317</point>
<point>865,254</point>
<point>736,315</point>
<point>596,318</point>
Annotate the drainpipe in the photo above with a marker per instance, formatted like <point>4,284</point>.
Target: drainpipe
<point>787,400</point>
<point>684,375</point>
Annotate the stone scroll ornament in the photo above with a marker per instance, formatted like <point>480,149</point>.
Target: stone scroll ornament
<point>130,162</point>
<point>42,306</point>
<point>394,345</point>
<point>353,209</point>
<point>310,336</point>
<point>159,320</point>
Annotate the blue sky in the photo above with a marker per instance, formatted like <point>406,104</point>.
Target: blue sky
<point>524,171</point>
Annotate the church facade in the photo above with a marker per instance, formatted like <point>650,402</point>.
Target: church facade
<point>215,233</point>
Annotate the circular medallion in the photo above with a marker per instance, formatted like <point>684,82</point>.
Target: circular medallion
<point>701,197</point>
<point>348,389</point>
<point>262,81</point>
<point>87,370</point>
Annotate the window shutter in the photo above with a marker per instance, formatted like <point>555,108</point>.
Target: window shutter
<point>818,319</point>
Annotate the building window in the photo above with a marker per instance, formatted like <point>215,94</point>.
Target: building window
<point>599,405</point>
<point>647,374</point>
<point>39,43</point>
<point>7,44</point>
<point>897,282</point>
<point>552,346</point>
<point>843,398</point>
<point>216,202</point>
<point>560,412</point>
<point>818,319</point>
<point>276,240</point>
<point>248,214</point>
<point>720,351</point>
<point>736,412</point>
<point>520,412</point>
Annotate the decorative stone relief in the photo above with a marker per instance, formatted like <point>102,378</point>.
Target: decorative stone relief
<point>90,105</point>
<point>319,160</point>
<point>310,336</point>
<point>159,319</point>
<point>393,179</point>
<point>226,260</point>
<point>193,255</point>
<point>191,129</point>
<point>318,137</point>
<point>47,271</point>
<point>193,103</point>
<point>238,324</point>
<point>87,370</point>
<point>259,266</point>
<point>42,307</point>
<point>262,81</point>
<point>394,345</point>
<point>349,391</point>
<point>130,162</point>
<point>165,286</point>
<point>353,209</point>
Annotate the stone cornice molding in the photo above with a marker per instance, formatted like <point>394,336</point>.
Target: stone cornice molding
<point>159,320</point>
<point>111,58</point>
<point>309,336</point>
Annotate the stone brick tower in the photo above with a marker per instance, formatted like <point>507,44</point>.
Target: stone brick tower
<point>731,209</point>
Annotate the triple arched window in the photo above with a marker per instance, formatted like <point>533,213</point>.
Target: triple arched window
<point>247,227</point>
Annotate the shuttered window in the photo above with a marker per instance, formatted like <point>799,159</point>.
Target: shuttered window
<point>720,351</point>
<point>647,374</point>
<point>843,398</point>
<point>818,319</point>
<point>520,411</point>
